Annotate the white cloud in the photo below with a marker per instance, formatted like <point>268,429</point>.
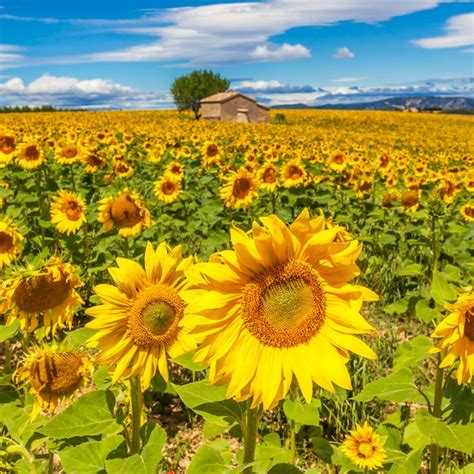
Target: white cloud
<point>271,87</point>
<point>459,31</point>
<point>284,52</point>
<point>344,53</point>
<point>231,32</point>
<point>350,79</point>
<point>9,55</point>
<point>70,92</point>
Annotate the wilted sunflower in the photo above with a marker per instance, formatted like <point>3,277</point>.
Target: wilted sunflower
<point>10,240</point>
<point>410,200</point>
<point>30,156</point>
<point>68,212</point>
<point>53,375</point>
<point>49,292</point>
<point>138,323</point>
<point>281,302</point>
<point>167,189</point>
<point>457,333</point>
<point>239,189</point>
<point>467,212</point>
<point>68,154</point>
<point>364,448</point>
<point>293,173</point>
<point>268,177</point>
<point>126,211</point>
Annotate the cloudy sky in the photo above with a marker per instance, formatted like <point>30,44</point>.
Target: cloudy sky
<point>124,54</point>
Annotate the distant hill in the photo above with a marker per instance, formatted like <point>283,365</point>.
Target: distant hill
<point>396,103</point>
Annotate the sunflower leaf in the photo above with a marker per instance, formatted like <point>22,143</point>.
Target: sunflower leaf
<point>303,413</point>
<point>7,332</point>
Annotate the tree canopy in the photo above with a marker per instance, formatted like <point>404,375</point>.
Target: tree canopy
<point>190,89</point>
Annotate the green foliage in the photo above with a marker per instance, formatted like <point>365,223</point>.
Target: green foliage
<point>190,89</point>
<point>303,413</point>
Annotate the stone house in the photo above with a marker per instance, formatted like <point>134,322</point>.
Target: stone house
<point>233,107</point>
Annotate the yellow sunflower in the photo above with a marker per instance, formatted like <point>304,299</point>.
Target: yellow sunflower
<point>364,448</point>
<point>281,302</point>
<point>457,337</point>
<point>410,200</point>
<point>7,144</point>
<point>176,170</point>
<point>10,240</point>
<point>338,162</point>
<point>211,154</point>
<point>268,177</point>
<point>126,211</point>
<point>467,212</point>
<point>239,189</point>
<point>138,323</point>
<point>49,292</point>
<point>53,375</point>
<point>30,156</point>
<point>68,212</point>
<point>93,161</point>
<point>167,189</point>
<point>68,154</point>
<point>293,173</point>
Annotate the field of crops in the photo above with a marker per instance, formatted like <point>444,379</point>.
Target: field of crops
<point>182,296</point>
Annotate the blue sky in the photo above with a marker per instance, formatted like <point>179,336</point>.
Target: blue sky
<point>126,54</point>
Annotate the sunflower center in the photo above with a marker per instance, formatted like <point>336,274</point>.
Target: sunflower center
<point>168,187</point>
<point>366,449</point>
<point>124,211</point>
<point>73,210</point>
<point>41,293</point>
<point>31,152</point>
<point>56,375</point>
<point>212,150</point>
<point>469,324</point>
<point>295,172</point>
<point>241,187</point>
<point>153,319</point>
<point>285,305</point>
<point>468,211</point>
<point>269,175</point>
<point>6,242</point>
<point>69,151</point>
<point>409,198</point>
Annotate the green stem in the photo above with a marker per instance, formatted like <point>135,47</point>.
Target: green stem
<point>73,181</point>
<point>436,412</point>
<point>293,394</point>
<point>50,462</point>
<point>273,200</point>
<point>434,244</point>
<point>250,430</point>
<point>8,356</point>
<point>136,405</point>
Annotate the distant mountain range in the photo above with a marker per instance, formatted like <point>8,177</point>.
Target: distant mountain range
<point>397,103</point>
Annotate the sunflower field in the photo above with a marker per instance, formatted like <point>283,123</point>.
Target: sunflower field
<point>205,297</point>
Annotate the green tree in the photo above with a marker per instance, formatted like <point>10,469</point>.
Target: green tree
<point>188,90</point>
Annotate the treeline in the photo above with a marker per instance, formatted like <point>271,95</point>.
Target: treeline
<point>26,108</point>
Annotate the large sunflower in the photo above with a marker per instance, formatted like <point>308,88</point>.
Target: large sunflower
<point>138,323</point>
<point>239,190</point>
<point>281,302</point>
<point>67,212</point>
<point>268,177</point>
<point>126,211</point>
<point>68,154</point>
<point>293,173</point>
<point>52,375</point>
<point>457,337</point>
<point>49,292</point>
<point>30,156</point>
<point>10,240</point>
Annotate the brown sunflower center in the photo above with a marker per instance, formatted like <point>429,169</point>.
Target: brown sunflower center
<point>31,153</point>
<point>212,150</point>
<point>366,449</point>
<point>168,187</point>
<point>41,293</point>
<point>73,210</point>
<point>56,375</point>
<point>409,198</point>
<point>125,212</point>
<point>338,159</point>
<point>294,172</point>
<point>241,188</point>
<point>6,242</point>
<point>285,305</point>
<point>469,324</point>
<point>154,316</point>
<point>468,211</point>
<point>269,175</point>
<point>94,161</point>
<point>8,145</point>
<point>69,151</point>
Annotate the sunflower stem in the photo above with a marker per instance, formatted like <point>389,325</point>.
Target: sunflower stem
<point>293,396</point>
<point>136,405</point>
<point>434,450</point>
<point>434,243</point>
<point>73,181</point>
<point>250,430</point>
<point>50,462</point>
<point>273,201</point>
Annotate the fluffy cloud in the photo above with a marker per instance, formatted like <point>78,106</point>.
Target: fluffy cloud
<point>230,32</point>
<point>344,53</point>
<point>459,31</point>
<point>271,87</point>
<point>69,92</point>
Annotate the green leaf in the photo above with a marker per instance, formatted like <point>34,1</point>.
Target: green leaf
<point>89,415</point>
<point>78,337</point>
<point>441,290</point>
<point>303,413</point>
<point>208,459</point>
<point>414,437</point>
<point>398,307</point>
<point>411,270</point>
<point>284,468</point>
<point>410,463</point>
<point>458,437</point>
<point>411,352</point>
<point>323,449</point>
<point>424,312</point>
<point>7,332</point>
<point>89,457</point>
<point>396,387</point>
<point>186,360</point>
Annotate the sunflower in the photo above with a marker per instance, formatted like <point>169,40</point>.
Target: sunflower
<point>167,189</point>
<point>122,168</point>
<point>176,170</point>
<point>30,156</point>
<point>457,337</point>
<point>10,240</point>
<point>49,291</point>
<point>67,212</point>
<point>467,212</point>
<point>239,189</point>
<point>211,154</point>
<point>7,144</point>
<point>281,302</point>
<point>126,211</point>
<point>410,200</point>
<point>268,178</point>
<point>68,154</point>
<point>138,323</point>
<point>364,448</point>
<point>293,173</point>
<point>93,162</point>
<point>338,162</point>
<point>53,375</point>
